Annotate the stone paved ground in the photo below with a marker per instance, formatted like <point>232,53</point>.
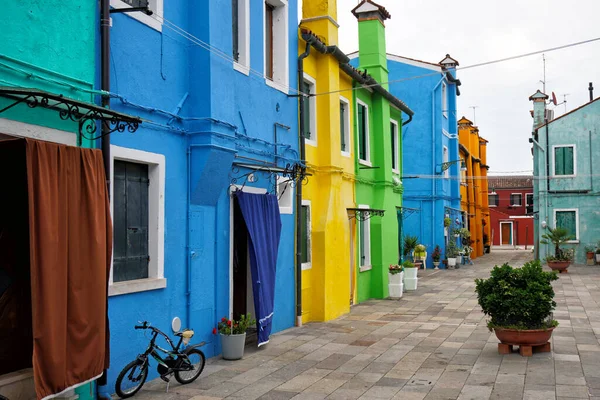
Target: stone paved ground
<point>431,344</point>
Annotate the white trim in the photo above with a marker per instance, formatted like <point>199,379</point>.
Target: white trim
<point>528,194</point>
<point>22,129</point>
<point>576,210</point>
<point>347,122</point>
<point>445,159</point>
<point>497,196</point>
<point>516,194</point>
<point>285,201</point>
<point>367,225</point>
<point>512,236</point>
<point>319,18</point>
<point>232,189</point>
<point>368,137</point>
<point>554,147</point>
<point>395,150</point>
<point>520,217</point>
<point>447,134</point>
<point>444,100</point>
<point>308,265</point>
<point>414,63</point>
<point>243,63</point>
<point>156,219</point>
<point>140,16</point>
<point>312,103</point>
<point>280,44</point>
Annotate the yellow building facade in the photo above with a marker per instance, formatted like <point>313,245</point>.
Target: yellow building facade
<point>474,186</point>
<point>328,275</point>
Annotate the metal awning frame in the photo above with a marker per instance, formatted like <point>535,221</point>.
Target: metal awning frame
<point>406,212</point>
<point>363,214</point>
<point>290,176</point>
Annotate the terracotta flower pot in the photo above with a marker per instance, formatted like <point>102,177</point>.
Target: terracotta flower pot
<point>560,266</point>
<point>530,337</point>
<point>589,255</point>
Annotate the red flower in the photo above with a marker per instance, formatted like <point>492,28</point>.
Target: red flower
<point>223,319</point>
<point>214,331</point>
<point>228,323</point>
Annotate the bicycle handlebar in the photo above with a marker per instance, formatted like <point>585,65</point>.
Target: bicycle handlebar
<point>143,326</point>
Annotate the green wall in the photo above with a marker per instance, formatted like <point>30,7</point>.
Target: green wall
<point>51,46</point>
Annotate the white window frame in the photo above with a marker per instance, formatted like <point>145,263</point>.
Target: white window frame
<point>396,152</point>
<point>347,122</point>
<point>156,221</point>
<point>512,233</point>
<point>576,240</point>
<point>444,100</point>
<point>308,265</point>
<point>243,63</point>
<point>368,160</point>
<point>280,45</point>
<point>526,202</point>
<point>312,101</point>
<point>490,204</point>
<point>445,159</point>
<point>367,225</point>
<point>150,20</point>
<point>554,147</point>
<point>286,201</point>
<point>516,194</point>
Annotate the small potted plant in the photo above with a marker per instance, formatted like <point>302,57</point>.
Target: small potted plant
<point>467,251</point>
<point>420,255</point>
<point>233,336</point>
<point>589,254</point>
<point>451,254</point>
<point>561,259</point>
<point>410,243</point>
<point>435,256</point>
<point>447,222</point>
<point>410,275</point>
<point>519,302</point>
<point>395,284</point>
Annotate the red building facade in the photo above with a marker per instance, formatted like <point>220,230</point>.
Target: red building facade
<point>511,210</point>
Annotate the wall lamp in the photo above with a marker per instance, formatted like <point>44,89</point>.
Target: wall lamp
<point>446,165</point>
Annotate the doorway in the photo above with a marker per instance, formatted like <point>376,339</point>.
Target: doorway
<point>506,237</point>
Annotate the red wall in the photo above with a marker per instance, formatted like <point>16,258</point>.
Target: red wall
<point>522,232</point>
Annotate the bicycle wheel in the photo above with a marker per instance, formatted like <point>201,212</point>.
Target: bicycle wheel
<point>197,360</point>
<point>131,379</point>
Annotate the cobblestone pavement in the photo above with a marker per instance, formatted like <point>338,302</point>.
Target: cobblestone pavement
<point>431,344</point>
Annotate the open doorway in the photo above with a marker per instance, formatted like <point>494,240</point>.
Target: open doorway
<point>506,233</point>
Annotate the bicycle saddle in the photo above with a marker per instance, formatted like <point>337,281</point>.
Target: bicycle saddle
<point>186,333</point>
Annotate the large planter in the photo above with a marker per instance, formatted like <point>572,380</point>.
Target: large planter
<point>395,285</point>
<point>436,265</point>
<point>516,337</point>
<point>410,279</point>
<point>560,266</point>
<point>233,346</point>
<point>451,262</point>
<point>589,255</point>
<point>597,258</point>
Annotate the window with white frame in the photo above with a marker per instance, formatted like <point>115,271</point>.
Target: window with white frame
<point>285,194</point>
<point>529,203</point>
<point>310,110</point>
<point>516,199</point>
<point>305,244</point>
<point>463,173</point>
<point>564,160</point>
<point>568,218</point>
<point>444,100</point>
<point>445,159</point>
<point>395,146</point>
<point>362,122</point>
<point>364,243</point>
<point>276,43</point>
<point>345,126</point>
<point>137,207</point>
<point>153,21</point>
<point>493,200</point>
<point>240,34</point>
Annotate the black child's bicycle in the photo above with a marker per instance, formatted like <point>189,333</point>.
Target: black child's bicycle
<point>186,364</point>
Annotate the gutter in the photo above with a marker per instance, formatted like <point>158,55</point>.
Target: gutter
<point>361,77</point>
<point>452,79</point>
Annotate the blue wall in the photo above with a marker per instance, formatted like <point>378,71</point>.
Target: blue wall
<point>223,114</point>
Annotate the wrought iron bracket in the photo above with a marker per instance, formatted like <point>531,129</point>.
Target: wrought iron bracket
<point>406,212</point>
<point>87,115</point>
<point>444,166</point>
<point>363,214</point>
<point>288,177</point>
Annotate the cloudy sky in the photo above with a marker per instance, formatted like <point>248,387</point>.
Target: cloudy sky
<point>474,31</point>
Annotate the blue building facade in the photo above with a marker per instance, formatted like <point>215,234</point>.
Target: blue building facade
<point>429,141</point>
<point>218,117</point>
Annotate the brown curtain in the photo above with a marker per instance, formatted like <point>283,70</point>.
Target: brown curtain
<point>70,237</point>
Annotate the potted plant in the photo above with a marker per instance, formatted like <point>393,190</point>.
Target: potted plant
<point>598,253</point>
<point>561,259</point>
<point>233,336</point>
<point>447,222</point>
<point>589,254</point>
<point>410,275</point>
<point>435,256</point>
<point>410,242</point>
<point>519,302</point>
<point>464,234</point>
<point>395,277</point>
<point>451,254</point>
<point>420,255</point>
<point>467,251</point>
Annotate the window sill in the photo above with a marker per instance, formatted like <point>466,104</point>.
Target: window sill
<point>396,171</point>
<point>346,154</point>
<point>139,285</point>
<point>286,210</point>
<point>310,142</point>
<point>241,68</point>
<point>365,162</point>
<point>573,241</point>
<point>306,266</point>
<point>364,268</point>
<point>140,16</point>
<point>277,86</point>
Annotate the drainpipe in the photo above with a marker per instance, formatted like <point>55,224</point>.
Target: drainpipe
<point>536,239</point>
<point>434,181</point>
<point>299,189</point>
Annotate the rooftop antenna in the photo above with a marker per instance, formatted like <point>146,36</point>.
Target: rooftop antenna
<point>474,120</point>
<point>544,81</point>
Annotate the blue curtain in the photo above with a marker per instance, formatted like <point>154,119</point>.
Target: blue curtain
<point>261,214</point>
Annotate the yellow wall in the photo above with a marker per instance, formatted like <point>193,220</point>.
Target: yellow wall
<point>330,189</point>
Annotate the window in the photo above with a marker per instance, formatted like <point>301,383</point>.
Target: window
<point>305,245</point>
<point>363,132</point>
<point>285,194</point>
<point>493,200</point>
<point>444,100</point>
<point>529,203</point>
<point>395,146</point>
<point>463,173</point>
<point>151,20</point>
<point>364,243</point>
<point>276,44</point>
<point>568,219</point>
<point>445,159</point>
<point>240,34</point>
<point>137,206</point>
<point>345,126</point>
<point>310,111</point>
<point>516,199</point>
<point>564,160</point>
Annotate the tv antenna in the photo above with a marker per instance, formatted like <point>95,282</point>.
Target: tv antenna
<point>544,81</point>
<point>474,120</point>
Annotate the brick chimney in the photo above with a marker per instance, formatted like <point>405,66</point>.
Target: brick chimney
<point>539,108</point>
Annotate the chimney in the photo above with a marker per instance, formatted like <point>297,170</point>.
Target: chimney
<point>371,38</point>
<point>591,89</point>
<point>320,16</point>
<point>539,108</point>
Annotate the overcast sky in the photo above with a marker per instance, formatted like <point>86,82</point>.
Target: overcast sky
<point>474,31</point>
